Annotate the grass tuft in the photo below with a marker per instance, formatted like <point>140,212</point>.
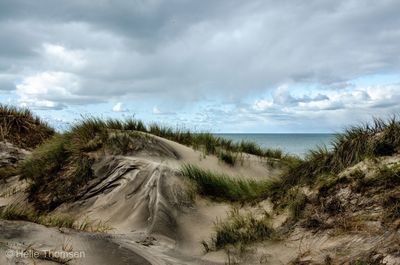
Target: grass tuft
<point>20,127</point>
<point>223,187</point>
<point>241,229</point>
<point>228,157</point>
<point>15,212</point>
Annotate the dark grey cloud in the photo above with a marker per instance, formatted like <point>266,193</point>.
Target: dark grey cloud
<point>185,51</point>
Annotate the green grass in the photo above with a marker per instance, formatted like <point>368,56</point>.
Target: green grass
<point>240,229</point>
<point>228,157</point>
<point>21,128</point>
<point>223,187</point>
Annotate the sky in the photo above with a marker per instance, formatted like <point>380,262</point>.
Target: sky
<point>221,66</point>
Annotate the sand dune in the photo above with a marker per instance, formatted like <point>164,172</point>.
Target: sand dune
<point>154,217</point>
<point>146,202</point>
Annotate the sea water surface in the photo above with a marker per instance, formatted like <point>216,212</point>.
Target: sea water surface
<point>293,143</point>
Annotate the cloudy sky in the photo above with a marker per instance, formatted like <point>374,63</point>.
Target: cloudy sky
<point>221,66</point>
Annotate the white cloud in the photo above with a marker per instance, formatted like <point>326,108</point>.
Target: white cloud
<point>48,89</point>
<point>335,99</point>
<point>59,56</point>
<point>119,107</point>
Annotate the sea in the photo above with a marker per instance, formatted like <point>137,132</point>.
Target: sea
<point>292,143</point>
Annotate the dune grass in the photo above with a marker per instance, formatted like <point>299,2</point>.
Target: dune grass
<point>20,127</point>
<point>209,143</point>
<point>15,212</point>
<point>226,188</point>
<point>228,157</point>
<point>240,229</point>
<point>22,213</point>
<point>212,144</point>
<point>354,145</point>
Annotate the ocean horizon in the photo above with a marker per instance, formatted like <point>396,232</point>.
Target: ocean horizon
<point>292,143</point>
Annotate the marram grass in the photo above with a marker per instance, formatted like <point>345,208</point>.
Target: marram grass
<point>381,138</point>
<point>240,228</point>
<point>23,129</point>
<point>222,187</point>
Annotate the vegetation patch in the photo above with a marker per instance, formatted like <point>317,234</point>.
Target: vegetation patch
<point>241,229</point>
<point>327,183</point>
<point>22,213</point>
<point>21,128</point>
<point>223,187</point>
<point>354,145</point>
<point>228,157</point>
